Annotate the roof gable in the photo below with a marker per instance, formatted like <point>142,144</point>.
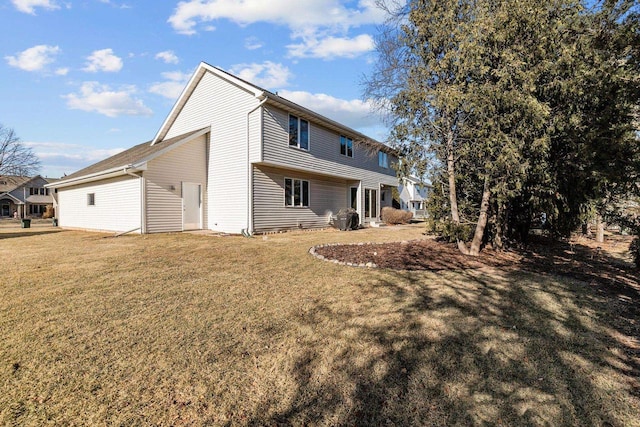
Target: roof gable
<point>261,94</point>
<point>10,183</point>
<point>191,85</point>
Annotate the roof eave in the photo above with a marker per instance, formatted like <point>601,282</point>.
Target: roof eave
<point>109,173</point>
<point>284,103</point>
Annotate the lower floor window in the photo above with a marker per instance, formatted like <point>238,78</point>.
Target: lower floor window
<point>37,209</point>
<point>296,192</point>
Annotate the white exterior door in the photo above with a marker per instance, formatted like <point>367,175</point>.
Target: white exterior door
<point>191,206</point>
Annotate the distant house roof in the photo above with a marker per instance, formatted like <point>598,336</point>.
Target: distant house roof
<point>11,182</point>
<point>128,159</point>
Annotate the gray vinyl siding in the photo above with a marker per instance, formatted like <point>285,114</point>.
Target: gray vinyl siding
<point>117,205</point>
<point>224,106</point>
<point>163,180</point>
<point>326,197</point>
<point>324,155</point>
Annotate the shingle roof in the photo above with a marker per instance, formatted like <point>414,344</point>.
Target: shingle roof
<point>131,156</point>
<point>11,182</point>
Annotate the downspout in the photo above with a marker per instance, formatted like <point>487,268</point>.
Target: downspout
<point>247,232</point>
<point>142,210</point>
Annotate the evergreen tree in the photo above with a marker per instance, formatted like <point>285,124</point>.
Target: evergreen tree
<point>521,107</point>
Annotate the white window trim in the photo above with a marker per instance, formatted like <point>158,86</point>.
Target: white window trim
<point>298,147</point>
<point>293,180</point>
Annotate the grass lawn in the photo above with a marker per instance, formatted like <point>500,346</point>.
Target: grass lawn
<point>183,329</point>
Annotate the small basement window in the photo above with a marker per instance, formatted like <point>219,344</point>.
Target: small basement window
<point>91,199</point>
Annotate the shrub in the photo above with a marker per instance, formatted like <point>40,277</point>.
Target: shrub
<point>446,230</point>
<point>48,212</point>
<point>391,215</point>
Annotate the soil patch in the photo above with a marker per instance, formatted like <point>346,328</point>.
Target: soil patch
<point>579,258</point>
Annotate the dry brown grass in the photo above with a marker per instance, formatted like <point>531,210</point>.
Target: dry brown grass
<point>181,329</point>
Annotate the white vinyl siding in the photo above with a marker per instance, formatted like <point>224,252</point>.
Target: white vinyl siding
<point>117,205</point>
<point>224,106</point>
<point>327,197</point>
<point>163,179</point>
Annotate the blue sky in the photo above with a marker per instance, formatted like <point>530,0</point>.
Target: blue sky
<point>84,79</point>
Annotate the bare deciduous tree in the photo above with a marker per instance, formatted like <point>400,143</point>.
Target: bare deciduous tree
<point>15,157</point>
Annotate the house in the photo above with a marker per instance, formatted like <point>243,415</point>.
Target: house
<point>24,196</point>
<point>413,194</point>
<point>234,158</point>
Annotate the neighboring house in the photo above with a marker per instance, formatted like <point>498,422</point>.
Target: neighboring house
<point>413,195</point>
<point>235,158</point>
<point>24,196</point>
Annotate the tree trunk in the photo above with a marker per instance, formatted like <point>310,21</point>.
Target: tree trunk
<point>500,221</point>
<point>482,220</point>
<point>453,197</point>
<point>599,229</point>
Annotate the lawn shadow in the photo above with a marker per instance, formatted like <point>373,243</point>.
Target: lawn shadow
<point>26,233</point>
<point>471,347</point>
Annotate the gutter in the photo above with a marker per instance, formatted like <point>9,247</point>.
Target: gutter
<point>142,227</point>
<point>109,173</point>
<point>249,230</point>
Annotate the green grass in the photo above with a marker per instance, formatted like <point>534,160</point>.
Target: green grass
<point>182,329</point>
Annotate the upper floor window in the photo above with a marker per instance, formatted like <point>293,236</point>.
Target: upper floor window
<point>346,146</point>
<point>35,191</point>
<point>383,161</point>
<point>91,199</point>
<point>296,192</point>
<point>298,132</point>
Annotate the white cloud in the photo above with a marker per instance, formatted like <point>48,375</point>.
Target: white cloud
<point>321,25</point>
<point>62,71</point>
<point>268,74</point>
<point>332,47</point>
<point>46,150</point>
<point>28,6</point>
<point>62,158</point>
<point>354,113</point>
<point>168,57</point>
<point>252,43</point>
<point>116,5</point>
<point>297,14</point>
<point>35,58</point>
<point>173,85</point>
<point>98,98</point>
<point>103,60</point>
